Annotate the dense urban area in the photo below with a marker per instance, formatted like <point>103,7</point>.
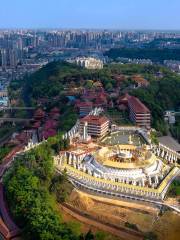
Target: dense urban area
<point>89,134</point>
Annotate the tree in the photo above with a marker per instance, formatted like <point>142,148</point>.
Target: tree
<point>109,86</point>
<point>61,187</point>
<point>89,235</point>
<point>150,236</point>
<point>89,84</point>
<point>100,235</point>
<point>75,228</point>
<point>32,206</point>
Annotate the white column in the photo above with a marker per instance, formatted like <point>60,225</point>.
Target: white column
<point>143,182</point>
<point>150,182</point>
<point>156,180</point>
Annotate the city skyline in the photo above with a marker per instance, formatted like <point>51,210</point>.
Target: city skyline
<point>123,15</point>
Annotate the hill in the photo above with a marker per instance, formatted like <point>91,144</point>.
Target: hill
<point>155,54</point>
<point>51,84</point>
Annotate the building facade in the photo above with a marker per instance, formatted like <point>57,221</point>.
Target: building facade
<point>139,114</point>
<point>84,108</point>
<point>97,126</point>
<point>89,63</point>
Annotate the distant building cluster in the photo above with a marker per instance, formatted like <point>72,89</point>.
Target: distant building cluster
<point>173,65</point>
<point>89,62</point>
<point>8,57</point>
<point>3,96</point>
<point>24,51</point>
<point>135,61</point>
<point>139,114</point>
<point>91,99</point>
<point>46,124</point>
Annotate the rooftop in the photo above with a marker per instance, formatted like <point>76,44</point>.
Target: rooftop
<point>170,142</point>
<point>137,105</point>
<point>97,120</point>
<point>84,104</point>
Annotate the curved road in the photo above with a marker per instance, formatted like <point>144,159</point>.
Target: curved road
<point>8,229</point>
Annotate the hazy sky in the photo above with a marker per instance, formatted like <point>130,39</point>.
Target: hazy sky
<point>117,14</point>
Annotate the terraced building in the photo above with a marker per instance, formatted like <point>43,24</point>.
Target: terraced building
<point>122,164</point>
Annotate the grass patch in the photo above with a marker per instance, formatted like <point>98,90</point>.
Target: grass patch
<point>174,189</point>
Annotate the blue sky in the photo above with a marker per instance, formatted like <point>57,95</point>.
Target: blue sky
<point>116,14</point>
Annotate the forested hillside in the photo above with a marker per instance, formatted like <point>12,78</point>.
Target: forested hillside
<point>53,82</point>
<point>155,54</point>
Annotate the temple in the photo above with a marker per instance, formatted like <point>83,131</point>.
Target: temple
<point>116,161</point>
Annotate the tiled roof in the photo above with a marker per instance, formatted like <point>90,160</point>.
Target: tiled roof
<point>97,120</point>
<point>137,105</point>
<point>84,104</point>
<point>50,124</point>
<point>55,110</point>
<point>49,133</point>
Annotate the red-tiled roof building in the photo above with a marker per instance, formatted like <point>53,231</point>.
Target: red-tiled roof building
<point>138,112</point>
<point>84,108</point>
<point>54,113</point>
<point>97,126</point>
<point>141,82</point>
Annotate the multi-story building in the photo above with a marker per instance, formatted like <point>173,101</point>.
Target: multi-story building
<point>13,58</point>
<point>3,58</point>
<point>173,65</point>
<point>169,117</point>
<point>84,108</point>
<point>97,126</point>
<point>8,57</point>
<point>139,113</point>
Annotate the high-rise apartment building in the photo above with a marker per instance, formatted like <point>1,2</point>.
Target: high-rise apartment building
<point>3,58</point>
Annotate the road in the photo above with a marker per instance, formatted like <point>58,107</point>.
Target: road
<point>8,229</point>
<point>16,108</point>
<point>16,119</point>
